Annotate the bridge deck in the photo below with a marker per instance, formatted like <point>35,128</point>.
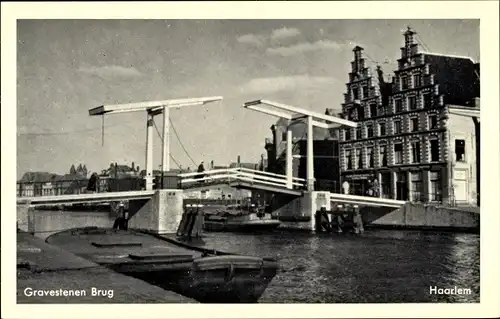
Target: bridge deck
<point>85,198</point>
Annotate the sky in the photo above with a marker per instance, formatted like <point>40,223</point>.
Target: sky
<point>66,67</point>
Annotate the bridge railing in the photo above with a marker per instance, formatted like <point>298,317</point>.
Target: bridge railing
<point>229,175</point>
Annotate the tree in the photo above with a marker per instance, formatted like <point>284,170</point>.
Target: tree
<point>79,169</point>
<point>72,170</point>
<point>85,169</point>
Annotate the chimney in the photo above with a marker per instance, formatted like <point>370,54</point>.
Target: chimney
<point>133,166</point>
<point>409,41</point>
<point>212,164</point>
<point>359,62</point>
<point>239,160</point>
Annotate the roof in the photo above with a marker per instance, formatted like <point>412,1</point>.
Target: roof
<point>456,76</point>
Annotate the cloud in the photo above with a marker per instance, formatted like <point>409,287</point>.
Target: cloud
<point>286,83</point>
<point>111,71</point>
<point>305,47</point>
<point>251,39</point>
<point>284,33</point>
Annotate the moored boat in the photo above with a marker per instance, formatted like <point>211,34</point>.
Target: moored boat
<point>237,218</point>
<point>205,275</point>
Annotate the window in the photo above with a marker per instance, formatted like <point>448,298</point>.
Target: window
<point>415,152</point>
<point>283,136</point>
<point>398,105</point>
<point>404,83</point>
<point>427,100</point>
<point>397,126</point>
<point>414,124</point>
<point>358,133</point>
<point>412,102</point>
<point>433,122</point>
<point>369,130</point>
<point>435,189</point>
<point>416,186</point>
<point>348,156</point>
<point>373,109</point>
<point>434,150</point>
<point>398,153</point>
<point>417,80</point>
<point>365,91</point>
<point>361,112</point>
<point>460,150</point>
<point>359,159</point>
<point>355,93</point>
<point>347,134</point>
<point>383,155</point>
<point>381,129</point>
<point>369,152</point>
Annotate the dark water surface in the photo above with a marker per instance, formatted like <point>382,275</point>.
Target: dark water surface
<point>377,266</point>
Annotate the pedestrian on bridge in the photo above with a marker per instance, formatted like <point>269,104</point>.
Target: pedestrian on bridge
<point>345,187</point>
<point>201,169</point>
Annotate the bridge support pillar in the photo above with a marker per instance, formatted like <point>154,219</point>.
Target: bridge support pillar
<point>310,155</point>
<point>300,212</point>
<point>149,152</point>
<point>289,160</point>
<point>161,214</point>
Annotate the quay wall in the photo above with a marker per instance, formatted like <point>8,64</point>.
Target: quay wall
<point>422,216</point>
<point>298,214</point>
<point>161,214</point>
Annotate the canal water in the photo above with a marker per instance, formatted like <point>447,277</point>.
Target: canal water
<point>377,266</point>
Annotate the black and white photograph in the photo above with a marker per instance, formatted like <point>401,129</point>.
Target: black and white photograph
<point>253,160</point>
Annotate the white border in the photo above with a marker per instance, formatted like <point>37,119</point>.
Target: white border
<point>487,11</point>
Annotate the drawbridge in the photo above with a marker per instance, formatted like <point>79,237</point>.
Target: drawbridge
<point>238,177</point>
<point>243,178</point>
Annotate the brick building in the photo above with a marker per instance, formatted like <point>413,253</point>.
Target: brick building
<point>407,139</point>
<point>325,148</point>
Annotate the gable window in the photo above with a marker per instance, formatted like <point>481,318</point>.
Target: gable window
<point>404,83</point>
<point>415,152</point>
<point>359,159</point>
<point>369,152</point>
<point>460,150</point>
<point>397,126</point>
<point>398,153</point>
<point>373,109</point>
<point>412,102</point>
<point>347,134</point>
<point>348,156</point>
<point>427,100</point>
<point>383,156</point>
<point>355,93</point>
<point>417,80</point>
<point>365,91</point>
<point>414,124</point>
<point>361,112</point>
<point>433,122</point>
<point>358,133</point>
<point>369,130</point>
<point>434,145</point>
<point>381,129</point>
<point>398,105</point>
